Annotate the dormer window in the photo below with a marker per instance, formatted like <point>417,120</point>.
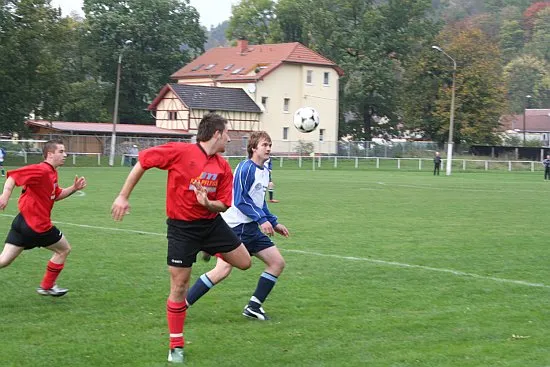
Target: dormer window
<point>197,67</point>
<point>209,67</point>
<point>228,67</point>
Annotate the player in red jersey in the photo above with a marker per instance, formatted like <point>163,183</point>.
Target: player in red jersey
<point>33,227</point>
<point>199,188</point>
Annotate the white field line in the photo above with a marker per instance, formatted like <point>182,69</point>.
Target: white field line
<point>339,257</point>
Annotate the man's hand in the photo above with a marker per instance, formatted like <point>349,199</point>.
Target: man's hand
<point>79,183</point>
<point>120,208</point>
<point>267,228</point>
<point>4,199</point>
<point>201,193</point>
<point>282,230</point>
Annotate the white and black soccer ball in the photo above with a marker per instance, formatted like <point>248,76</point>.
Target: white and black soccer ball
<point>306,119</point>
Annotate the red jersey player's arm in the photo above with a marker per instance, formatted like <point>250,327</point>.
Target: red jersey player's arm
<point>8,188</point>
<point>121,206</point>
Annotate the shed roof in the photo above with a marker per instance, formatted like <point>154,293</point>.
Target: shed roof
<point>209,98</point>
<point>104,127</point>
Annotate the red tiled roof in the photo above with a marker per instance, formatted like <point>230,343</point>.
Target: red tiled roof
<point>102,127</point>
<point>266,57</point>
<point>536,120</point>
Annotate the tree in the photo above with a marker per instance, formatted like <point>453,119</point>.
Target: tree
<point>479,100</point>
<point>539,45</point>
<point>30,63</point>
<point>253,20</point>
<point>511,39</point>
<point>166,35</point>
<point>527,75</point>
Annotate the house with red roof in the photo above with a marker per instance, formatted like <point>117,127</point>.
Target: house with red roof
<point>268,84</point>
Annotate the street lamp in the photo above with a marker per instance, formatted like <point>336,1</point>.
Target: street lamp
<point>451,122</point>
<point>115,112</point>
<point>524,115</point>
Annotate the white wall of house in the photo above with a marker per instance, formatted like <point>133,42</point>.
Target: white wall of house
<point>171,113</point>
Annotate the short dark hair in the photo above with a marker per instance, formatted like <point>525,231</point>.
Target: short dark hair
<point>51,146</point>
<point>208,126</point>
<point>254,139</point>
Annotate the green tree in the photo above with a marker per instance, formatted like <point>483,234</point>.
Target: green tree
<point>30,64</point>
<point>254,20</point>
<point>539,45</point>
<point>479,100</point>
<point>511,39</point>
<point>166,35</point>
<point>527,75</point>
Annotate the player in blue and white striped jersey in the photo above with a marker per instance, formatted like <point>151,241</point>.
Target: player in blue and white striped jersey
<point>251,220</point>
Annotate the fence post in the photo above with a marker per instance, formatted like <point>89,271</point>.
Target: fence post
<point>377,162</point>
<point>356,162</point>
<point>398,163</point>
<point>510,166</point>
<point>486,165</point>
<point>420,164</point>
<point>335,161</point>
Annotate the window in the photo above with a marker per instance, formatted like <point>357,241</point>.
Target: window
<point>285,133</point>
<point>321,134</point>
<point>264,102</point>
<point>285,104</point>
<point>237,71</point>
<point>172,115</point>
<point>197,67</point>
<point>325,78</point>
<point>209,67</point>
<point>309,76</point>
<point>228,67</point>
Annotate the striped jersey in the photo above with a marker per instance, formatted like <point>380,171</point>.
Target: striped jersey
<point>249,186</point>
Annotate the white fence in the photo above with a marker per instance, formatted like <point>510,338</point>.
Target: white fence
<point>410,164</point>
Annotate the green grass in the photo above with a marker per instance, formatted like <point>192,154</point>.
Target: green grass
<point>384,268</point>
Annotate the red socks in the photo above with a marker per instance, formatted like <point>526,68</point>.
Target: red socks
<point>175,313</point>
<point>52,272</point>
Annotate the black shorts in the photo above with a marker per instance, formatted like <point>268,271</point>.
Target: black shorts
<point>187,238</point>
<point>22,235</point>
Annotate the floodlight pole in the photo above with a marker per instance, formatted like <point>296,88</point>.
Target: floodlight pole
<point>450,143</point>
<point>115,111</point>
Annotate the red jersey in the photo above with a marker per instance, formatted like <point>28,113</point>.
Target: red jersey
<point>40,189</point>
<point>187,163</point>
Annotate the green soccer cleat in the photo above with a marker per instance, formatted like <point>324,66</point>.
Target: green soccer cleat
<point>175,355</point>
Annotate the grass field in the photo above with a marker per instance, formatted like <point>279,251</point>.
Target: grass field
<point>384,268</point>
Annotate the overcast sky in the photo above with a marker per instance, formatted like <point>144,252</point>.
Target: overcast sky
<point>212,12</point>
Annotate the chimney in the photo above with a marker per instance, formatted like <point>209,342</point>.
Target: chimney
<point>242,46</point>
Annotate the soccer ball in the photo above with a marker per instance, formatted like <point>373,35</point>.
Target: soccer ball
<point>306,119</point>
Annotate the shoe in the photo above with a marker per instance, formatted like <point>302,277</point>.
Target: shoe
<point>273,201</point>
<point>205,256</point>
<point>54,291</point>
<point>255,313</point>
<point>175,355</point>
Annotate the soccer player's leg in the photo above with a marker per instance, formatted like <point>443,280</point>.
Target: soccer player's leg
<point>15,243</point>
<point>9,253</point>
<point>275,265</point>
<point>61,249</point>
<point>176,311</point>
<point>208,280</point>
